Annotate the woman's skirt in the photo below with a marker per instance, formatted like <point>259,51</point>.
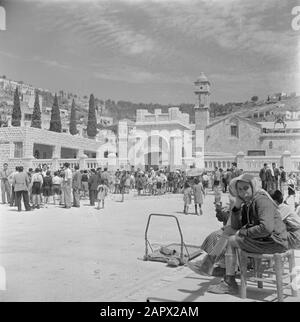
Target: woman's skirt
<point>267,246</point>
<point>36,188</point>
<point>291,190</point>
<point>47,191</point>
<point>56,189</point>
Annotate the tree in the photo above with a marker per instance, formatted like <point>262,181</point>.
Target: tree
<point>92,121</point>
<point>16,113</point>
<point>254,99</point>
<point>55,122</point>
<point>73,128</point>
<point>36,115</point>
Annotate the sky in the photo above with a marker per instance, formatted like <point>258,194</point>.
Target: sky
<point>152,50</point>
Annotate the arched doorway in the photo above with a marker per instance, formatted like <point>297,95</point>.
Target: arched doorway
<point>156,152</point>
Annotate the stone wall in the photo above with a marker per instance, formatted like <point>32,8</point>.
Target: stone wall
<point>218,137</point>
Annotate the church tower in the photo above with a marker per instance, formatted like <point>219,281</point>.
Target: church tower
<point>202,91</point>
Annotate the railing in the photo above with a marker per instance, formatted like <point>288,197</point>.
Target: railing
<point>38,163</point>
<point>224,162</point>
<point>255,163</point>
<point>72,162</point>
<point>96,163</point>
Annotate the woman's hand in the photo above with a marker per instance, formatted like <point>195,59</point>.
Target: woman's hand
<point>238,203</point>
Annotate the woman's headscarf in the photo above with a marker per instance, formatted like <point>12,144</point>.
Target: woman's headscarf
<point>254,183</point>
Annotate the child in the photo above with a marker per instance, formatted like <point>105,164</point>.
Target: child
<point>47,187</point>
<point>291,183</point>
<point>56,187</point>
<point>37,182</point>
<point>102,191</point>
<point>187,197</point>
<point>198,196</point>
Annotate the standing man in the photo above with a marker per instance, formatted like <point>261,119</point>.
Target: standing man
<point>276,175</point>
<point>216,185</point>
<point>67,185</point>
<point>93,185</point>
<point>76,185</point>
<point>263,176</point>
<point>13,200</point>
<point>270,179</point>
<point>105,177</point>
<point>282,179</point>
<point>21,184</point>
<point>5,185</point>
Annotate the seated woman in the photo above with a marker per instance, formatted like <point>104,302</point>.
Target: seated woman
<point>210,242</point>
<point>291,220</point>
<point>259,226</point>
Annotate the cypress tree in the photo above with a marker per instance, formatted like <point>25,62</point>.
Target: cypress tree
<point>36,115</point>
<point>55,122</point>
<point>73,128</point>
<point>16,113</point>
<point>92,121</point>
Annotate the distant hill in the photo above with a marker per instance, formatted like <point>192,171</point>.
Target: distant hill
<point>127,110</point>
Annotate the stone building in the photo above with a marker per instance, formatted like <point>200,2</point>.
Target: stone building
<point>31,147</point>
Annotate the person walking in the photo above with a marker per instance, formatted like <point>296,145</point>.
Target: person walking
<point>76,185</point>
<point>187,197</point>
<point>5,185</point>
<point>198,196</point>
<point>21,184</point>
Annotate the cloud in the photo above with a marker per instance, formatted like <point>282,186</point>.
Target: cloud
<point>51,63</point>
<point>157,28</point>
<point>132,74</point>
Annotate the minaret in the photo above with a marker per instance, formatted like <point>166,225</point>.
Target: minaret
<point>202,91</point>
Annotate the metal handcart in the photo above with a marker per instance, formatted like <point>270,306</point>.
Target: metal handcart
<point>180,251</point>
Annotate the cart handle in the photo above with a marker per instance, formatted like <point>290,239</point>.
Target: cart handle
<point>180,232</point>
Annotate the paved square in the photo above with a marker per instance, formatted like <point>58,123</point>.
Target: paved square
<point>85,254</point>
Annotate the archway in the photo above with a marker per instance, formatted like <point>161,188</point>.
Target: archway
<point>156,152</point>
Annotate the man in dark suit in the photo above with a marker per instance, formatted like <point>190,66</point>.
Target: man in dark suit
<point>263,176</point>
<point>276,175</point>
<point>93,185</point>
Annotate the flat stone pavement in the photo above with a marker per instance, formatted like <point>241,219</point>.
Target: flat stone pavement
<point>85,254</point>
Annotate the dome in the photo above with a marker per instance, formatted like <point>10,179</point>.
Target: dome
<point>202,78</point>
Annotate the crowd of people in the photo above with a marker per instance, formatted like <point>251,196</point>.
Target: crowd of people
<point>39,187</point>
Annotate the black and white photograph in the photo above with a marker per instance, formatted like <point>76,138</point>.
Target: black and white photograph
<point>149,152</point>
